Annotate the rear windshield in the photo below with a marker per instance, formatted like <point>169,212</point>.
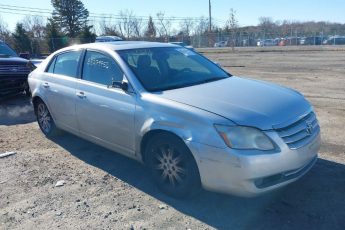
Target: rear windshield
<point>5,50</point>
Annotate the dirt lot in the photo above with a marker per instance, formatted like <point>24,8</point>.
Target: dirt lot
<point>104,190</point>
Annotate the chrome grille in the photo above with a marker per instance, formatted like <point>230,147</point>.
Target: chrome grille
<point>301,132</point>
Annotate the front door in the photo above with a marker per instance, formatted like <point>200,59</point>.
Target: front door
<point>104,113</point>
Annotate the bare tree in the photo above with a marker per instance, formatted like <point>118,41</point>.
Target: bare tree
<point>200,29</point>
<point>137,27</point>
<point>232,26</point>
<point>201,26</point>
<point>108,28</point>
<point>4,32</point>
<point>35,26</point>
<point>164,25</point>
<point>187,26</point>
<point>126,23</point>
<point>267,25</point>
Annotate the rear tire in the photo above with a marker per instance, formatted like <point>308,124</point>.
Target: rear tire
<point>45,120</point>
<point>172,166</point>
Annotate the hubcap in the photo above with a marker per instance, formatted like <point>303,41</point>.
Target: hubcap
<point>169,166</point>
<point>44,118</point>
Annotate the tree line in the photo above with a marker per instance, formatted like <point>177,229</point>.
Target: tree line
<point>70,23</point>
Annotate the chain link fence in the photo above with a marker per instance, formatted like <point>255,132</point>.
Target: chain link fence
<point>43,46</point>
<point>245,39</point>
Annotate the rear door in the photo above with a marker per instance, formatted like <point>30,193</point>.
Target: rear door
<point>105,114</point>
<point>59,86</point>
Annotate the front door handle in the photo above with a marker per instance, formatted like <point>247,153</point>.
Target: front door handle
<point>81,94</point>
<point>46,85</point>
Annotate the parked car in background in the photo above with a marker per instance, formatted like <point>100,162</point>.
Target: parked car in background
<point>290,41</point>
<point>221,44</point>
<point>335,40</point>
<point>183,45</point>
<point>315,40</point>
<point>267,42</point>
<point>191,122</point>
<point>14,72</point>
<point>108,39</point>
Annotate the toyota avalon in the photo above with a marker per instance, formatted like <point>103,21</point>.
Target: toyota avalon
<point>191,122</point>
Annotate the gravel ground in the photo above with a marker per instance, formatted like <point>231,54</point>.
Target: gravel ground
<point>104,190</point>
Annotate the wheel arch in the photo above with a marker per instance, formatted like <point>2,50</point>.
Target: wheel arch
<point>147,137</point>
<point>35,100</point>
<point>155,132</point>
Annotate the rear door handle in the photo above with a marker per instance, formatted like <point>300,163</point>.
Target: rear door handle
<point>81,94</point>
<point>45,85</point>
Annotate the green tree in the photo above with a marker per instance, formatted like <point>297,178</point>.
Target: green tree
<point>150,32</point>
<point>22,42</point>
<point>54,37</point>
<point>70,15</point>
<point>86,35</point>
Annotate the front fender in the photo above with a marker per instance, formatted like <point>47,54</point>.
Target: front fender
<point>169,126</point>
<point>191,124</point>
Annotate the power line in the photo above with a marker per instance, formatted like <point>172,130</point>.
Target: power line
<point>30,11</point>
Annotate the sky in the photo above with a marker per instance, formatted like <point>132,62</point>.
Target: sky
<point>247,11</point>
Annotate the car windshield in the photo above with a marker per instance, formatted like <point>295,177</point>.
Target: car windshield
<point>165,68</point>
<point>6,51</point>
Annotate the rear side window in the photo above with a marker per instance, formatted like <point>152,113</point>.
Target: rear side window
<point>51,66</point>
<point>101,69</point>
<point>66,64</point>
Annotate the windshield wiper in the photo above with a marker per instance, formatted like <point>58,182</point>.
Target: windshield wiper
<point>187,85</point>
<point>212,79</point>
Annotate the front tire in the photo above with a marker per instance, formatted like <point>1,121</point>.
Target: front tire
<point>27,90</point>
<point>172,166</point>
<point>45,120</point>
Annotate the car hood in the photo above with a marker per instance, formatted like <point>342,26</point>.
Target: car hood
<point>243,101</point>
<point>13,60</point>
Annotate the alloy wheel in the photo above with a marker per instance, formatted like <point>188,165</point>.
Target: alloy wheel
<point>169,166</point>
<point>44,118</point>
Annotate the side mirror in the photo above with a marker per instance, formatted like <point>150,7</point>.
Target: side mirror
<point>120,84</point>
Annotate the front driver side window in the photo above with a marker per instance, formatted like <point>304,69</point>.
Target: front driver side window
<point>101,69</point>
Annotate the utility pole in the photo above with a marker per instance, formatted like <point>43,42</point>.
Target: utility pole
<point>210,16</point>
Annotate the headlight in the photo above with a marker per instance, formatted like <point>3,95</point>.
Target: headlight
<point>242,137</point>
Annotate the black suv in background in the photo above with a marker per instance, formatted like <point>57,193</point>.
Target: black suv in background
<point>13,72</point>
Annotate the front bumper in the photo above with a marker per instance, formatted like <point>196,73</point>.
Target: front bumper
<point>10,84</point>
<point>252,172</point>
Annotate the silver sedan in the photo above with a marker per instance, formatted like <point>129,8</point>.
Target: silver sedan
<point>191,122</point>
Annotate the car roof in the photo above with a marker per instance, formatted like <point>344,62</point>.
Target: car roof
<point>122,45</point>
